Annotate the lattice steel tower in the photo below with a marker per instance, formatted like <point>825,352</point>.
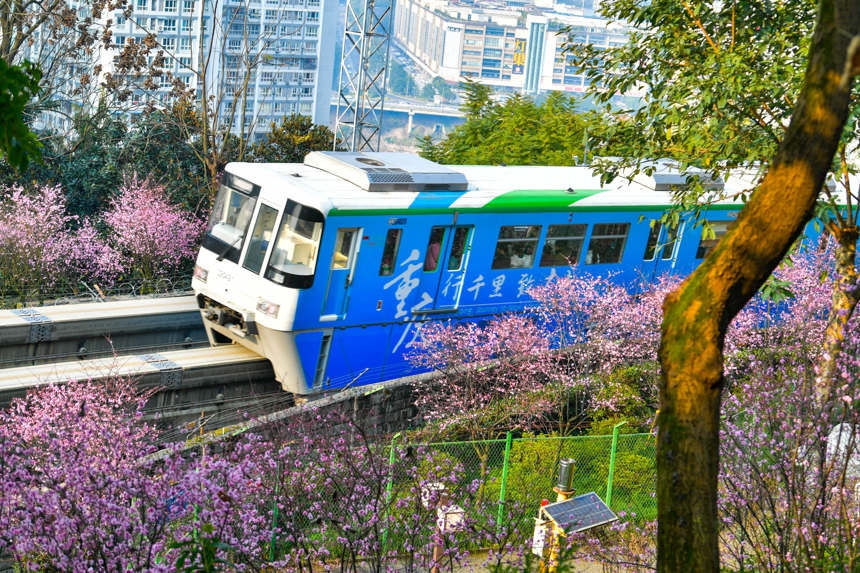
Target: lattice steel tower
<point>366,41</point>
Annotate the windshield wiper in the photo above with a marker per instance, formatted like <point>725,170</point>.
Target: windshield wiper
<point>228,247</point>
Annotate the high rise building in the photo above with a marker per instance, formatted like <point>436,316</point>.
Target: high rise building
<point>254,61</point>
<point>514,45</point>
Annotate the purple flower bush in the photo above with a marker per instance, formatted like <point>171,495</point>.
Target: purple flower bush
<point>152,235</point>
<point>786,503</point>
<point>44,250</point>
<point>40,248</point>
<point>86,486</point>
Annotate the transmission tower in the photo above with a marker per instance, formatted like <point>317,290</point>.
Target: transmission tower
<point>366,41</point>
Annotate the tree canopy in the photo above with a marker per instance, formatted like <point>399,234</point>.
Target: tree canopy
<point>289,142</point>
<point>719,80</point>
<point>516,131</point>
<point>163,145</point>
<point>726,84</point>
<point>18,84</point>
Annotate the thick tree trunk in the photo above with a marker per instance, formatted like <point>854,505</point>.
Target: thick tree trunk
<point>842,305</point>
<point>697,315</point>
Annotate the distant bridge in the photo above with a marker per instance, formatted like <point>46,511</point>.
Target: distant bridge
<point>419,108</point>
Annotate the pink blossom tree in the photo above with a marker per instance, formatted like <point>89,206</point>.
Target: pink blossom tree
<point>40,248</point>
<point>787,497</point>
<point>491,375</point>
<point>81,491</point>
<point>74,496</point>
<point>154,236</point>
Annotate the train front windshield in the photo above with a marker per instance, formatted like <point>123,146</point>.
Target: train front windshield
<point>294,255</point>
<point>231,216</point>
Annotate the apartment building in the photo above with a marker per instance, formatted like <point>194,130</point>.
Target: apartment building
<point>514,45</point>
<point>256,60</point>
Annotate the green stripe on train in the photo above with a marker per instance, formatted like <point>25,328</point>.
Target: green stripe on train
<point>519,200</point>
<point>539,199</point>
<point>526,201</point>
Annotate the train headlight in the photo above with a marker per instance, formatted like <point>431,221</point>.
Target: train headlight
<point>268,308</point>
<point>200,273</point>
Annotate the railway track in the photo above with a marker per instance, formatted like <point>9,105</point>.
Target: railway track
<point>80,331</point>
<point>160,342</point>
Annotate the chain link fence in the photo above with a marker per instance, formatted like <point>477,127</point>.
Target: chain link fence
<point>520,472</point>
<point>19,295</point>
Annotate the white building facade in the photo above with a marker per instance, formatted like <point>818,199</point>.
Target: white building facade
<point>260,59</point>
<point>514,46</point>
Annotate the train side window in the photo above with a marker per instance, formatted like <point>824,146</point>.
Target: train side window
<point>342,248</point>
<point>707,244</point>
<point>434,249</point>
<point>516,247</point>
<point>607,243</point>
<point>653,236</point>
<point>563,245</point>
<point>260,238</point>
<point>389,251</point>
<point>671,241</point>
<point>667,249</point>
<point>458,248</point>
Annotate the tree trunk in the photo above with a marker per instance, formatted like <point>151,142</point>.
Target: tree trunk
<point>842,305</point>
<point>697,315</point>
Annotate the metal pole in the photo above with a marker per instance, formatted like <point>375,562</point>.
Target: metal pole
<point>388,489</point>
<point>508,440</point>
<point>275,514</point>
<point>612,462</point>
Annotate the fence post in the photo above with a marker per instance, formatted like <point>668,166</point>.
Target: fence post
<point>508,440</point>
<point>275,514</point>
<point>389,486</point>
<point>612,462</point>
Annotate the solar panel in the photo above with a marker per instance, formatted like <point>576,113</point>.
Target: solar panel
<point>580,513</point>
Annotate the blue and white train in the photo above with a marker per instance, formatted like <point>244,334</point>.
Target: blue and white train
<point>328,268</point>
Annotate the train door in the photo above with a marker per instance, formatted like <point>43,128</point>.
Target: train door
<point>341,272</point>
<point>662,247</point>
<point>445,266</point>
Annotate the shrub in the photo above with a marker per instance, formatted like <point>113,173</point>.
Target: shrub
<point>154,236</point>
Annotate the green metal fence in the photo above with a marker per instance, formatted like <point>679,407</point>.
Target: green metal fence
<point>499,483</point>
<point>522,471</point>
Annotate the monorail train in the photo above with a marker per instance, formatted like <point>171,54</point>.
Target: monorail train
<point>328,268</point>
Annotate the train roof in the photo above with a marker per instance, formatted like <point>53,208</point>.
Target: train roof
<point>338,183</point>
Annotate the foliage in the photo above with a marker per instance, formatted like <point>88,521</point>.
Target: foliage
<point>73,495</point>
<point>47,250</point>
<point>491,374</point>
<point>158,149</point>
<point>18,84</point>
<point>82,488</point>
<point>586,335</point>
<point>718,79</point>
<point>400,81</point>
<point>331,488</point>
<point>65,42</point>
<point>289,142</point>
<point>41,249</point>
<point>89,169</point>
<point>626,393</point>
<point>442,88</point>
<point>153,235</point>
<point>517,131</point>
<point>91,165</point>
<point>722,81</point>
<point>787,495</point>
